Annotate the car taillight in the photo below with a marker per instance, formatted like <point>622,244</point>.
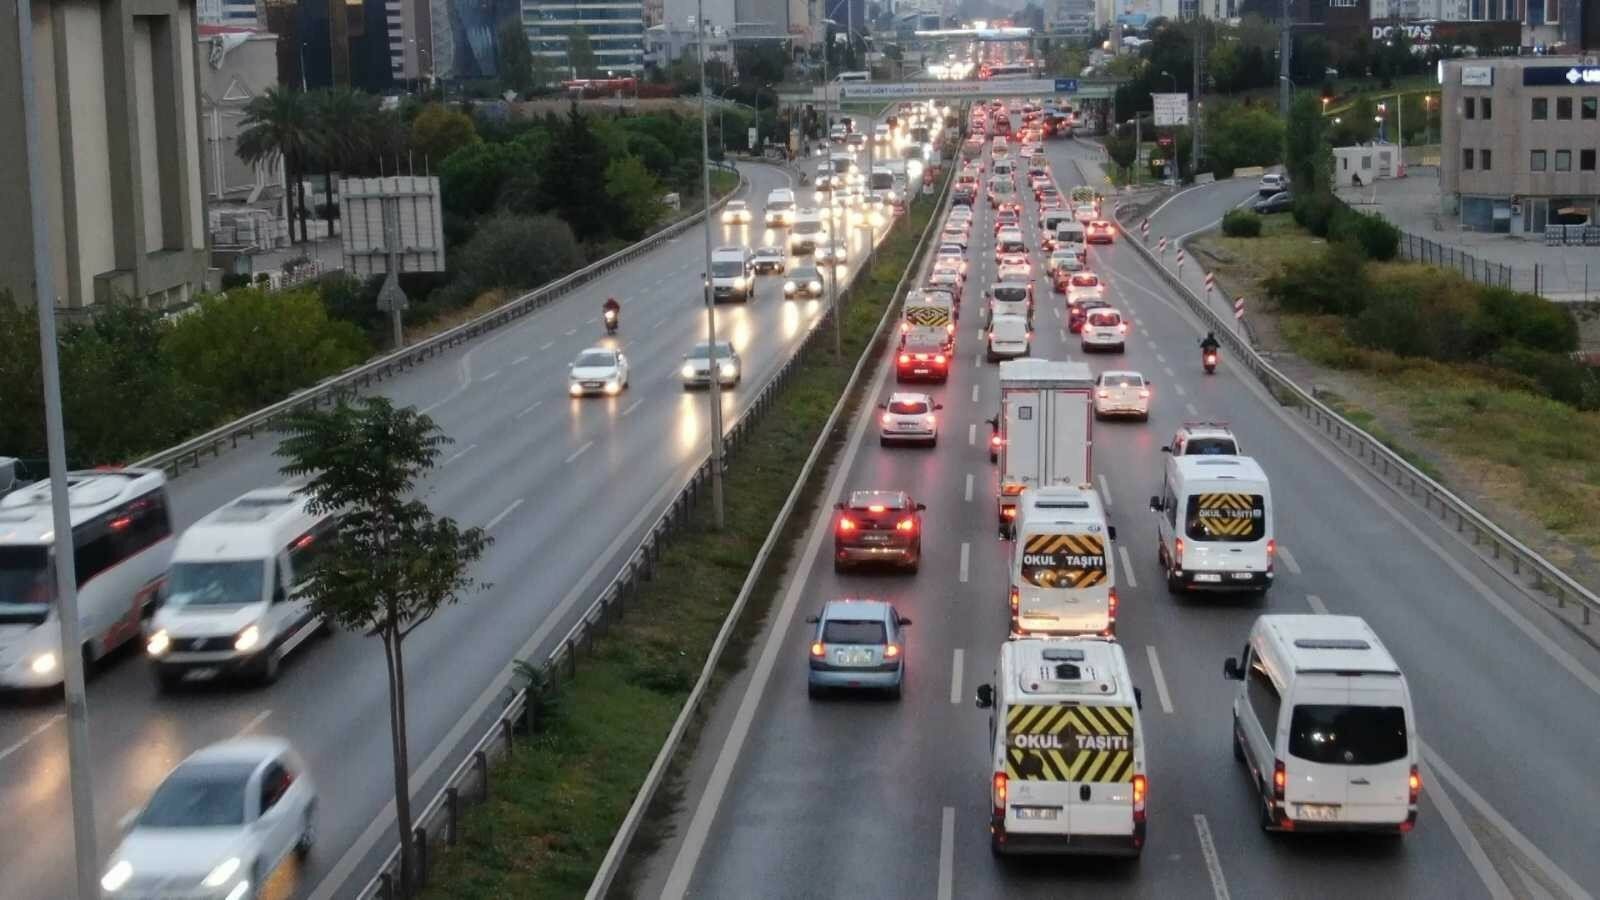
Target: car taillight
<point>1272,546</point>
<point>999,794</point>
<point>932,420</point>
<point>1111,605</point>
<point>994,441</point>
<point>1015,600</point>
<point>939,358</point>
<point>1280,780</point>
<point>1141,789</point>
<point>1104,393</point>
<point>1178,552</point>
<point>904,327</point>
<point>1144,393</point>
<point>1415,784</point>
<point>1123,328</point>
<point>847,525</point>
<point>817,649</point>
<point>1009,512</point>
<point>891,651</point>
<point>950,328</point>
<point>906,524</point>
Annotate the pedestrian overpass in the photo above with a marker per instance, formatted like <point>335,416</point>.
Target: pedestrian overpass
<point>889,91</point>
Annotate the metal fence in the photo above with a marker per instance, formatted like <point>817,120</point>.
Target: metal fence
<point>1419,249</point>
<point>1519,564</point>
<point>438,824</point>
<point>189,453</point>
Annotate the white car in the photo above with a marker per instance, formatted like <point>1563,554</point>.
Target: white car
<point>1085,213</point>
<point>1271,183</point>
<point>1122,393</point>
<point>1084,286</point>
<point>218,826</point>
<point>909,418</point>
<point>1066,260</point>
<point>1014,268</point>
<point>769,261</point>
<point>737,212</point>
<point>696,370</point>
<point>832,252</point>
<point>598,370</point>
<point>1103,329</point>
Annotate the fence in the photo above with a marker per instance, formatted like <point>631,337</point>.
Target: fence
<point>1517,563</point>
<point>1420,249</point>
<point>439,822</point>
<point>188,454</point>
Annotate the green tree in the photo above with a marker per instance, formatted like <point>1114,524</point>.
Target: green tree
<point>1243,136</point>
<point>636,194</point>
<point>471,179</point>
<point>439,131</point>
<point>580,53</point>
<point>252,348</point>
<point>515,63</point>
<point>277,126</point>
<point>344,122</point>
<point>395,563</point>
<point>1305,150</point>
<point>573,184</point>
<point>1223,63</point>
<point>1122,150</point>
<point>516,252</point>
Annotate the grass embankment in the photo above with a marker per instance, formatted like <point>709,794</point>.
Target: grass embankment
<point>559,798</point>
<point>1532,463</point>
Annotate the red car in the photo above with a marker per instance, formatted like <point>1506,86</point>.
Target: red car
<point>922,359</point>
<point>878,526</point>
<point>1100,232</point>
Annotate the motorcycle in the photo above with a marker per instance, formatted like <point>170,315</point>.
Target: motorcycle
<point>611,321</point>
<point>1209,360</point>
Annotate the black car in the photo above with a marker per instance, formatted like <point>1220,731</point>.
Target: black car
<point>768,261</point>
<point>1282,201</point>
<point>922,359</point>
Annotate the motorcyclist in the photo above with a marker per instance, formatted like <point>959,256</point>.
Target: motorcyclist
<point>1209,343</point>
<point>611,310</point>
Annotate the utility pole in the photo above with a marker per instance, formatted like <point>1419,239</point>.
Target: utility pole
<point>1285,48</point>
<point>714,395</point>
<point>86,852</point>
<point>1197,128</point>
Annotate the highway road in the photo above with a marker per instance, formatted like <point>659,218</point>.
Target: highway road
<point>565,487</point>
<point>851,797</point>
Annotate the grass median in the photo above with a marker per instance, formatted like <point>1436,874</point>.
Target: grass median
<point>559,798</point>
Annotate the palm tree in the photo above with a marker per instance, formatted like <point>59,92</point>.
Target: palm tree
<point>277,126</point>
<point>342,122</point>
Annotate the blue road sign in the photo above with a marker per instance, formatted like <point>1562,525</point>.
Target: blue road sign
<point>1066,85</point>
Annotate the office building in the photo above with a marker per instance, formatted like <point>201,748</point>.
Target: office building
<point>245,209</point>
<point>235,13</point>
<point>615,31</point>
<point>120,144</point>
<point>1521,138</point>
<point>327,43</point>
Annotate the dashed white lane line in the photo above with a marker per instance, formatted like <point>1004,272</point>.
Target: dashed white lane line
<point>1160,680</point>
<point>22,742</point>
<point>1288,560</point>
<point>1208,852</point>
<point>1105,491</point>
<point>1127,567</point>
<point>531,407</point>
<point>520,360</point>
<point>969,487</point>
<point>1056,310</point>
<point>975,393</point>
<point>1168,370</point>
<point>547,345</point>
<point>947,853</point>
<point>253,723</point>
<point>955,677</point>
<point>503,513</point>
<point>570,332</point>
<point>579,452</point>
<point>633,406</point>
<point>1179,389</point>
<point>1144,333</point>
<point>491,376</point>
<point>1161,359</point>
<point>977,358</point>
<point>972,435</point>
<point>1189,408</point>
<point>966,558</point>
<point>1316,604</point>
<point>458,454</point>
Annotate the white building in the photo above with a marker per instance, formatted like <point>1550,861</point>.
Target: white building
<point>615,31</point>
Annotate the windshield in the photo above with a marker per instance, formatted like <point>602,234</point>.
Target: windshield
<point>1064,560</point>
<point>199,795</point>
<point>1126,380</point>
<point>780,204</point>
<point>728,268</point>
<point>596,359</point>
<point>882,181</point>
<point>841,166</point>
<point>703,351</point>
<point>227,583</point>
<point>1347,735</point>
<point>25,585</point>
<point>1211,446</point>
<point>908,407</point>
<point>805,273</point>
<point>1010,293</point>
<point>807,228</point>
<point>849,631</point>
<point>1226,516</point>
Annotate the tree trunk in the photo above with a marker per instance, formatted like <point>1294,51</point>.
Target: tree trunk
<point>327,198</point>
<point>402,788</point>
<point>300,189</point>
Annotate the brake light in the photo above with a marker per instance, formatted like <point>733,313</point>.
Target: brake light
<point>876,507</point>
<point>1111,605</point>
<point>1141,789</point>
<point>932,420</point>
<point>905,358</point>
<point>1415,784</point>
<point>817,649</point>
<point>950,328</point>
<point>1272,546</point>
<point>994,440</point>
<point>1144,394</point>
<point>1280,780</point>
<point>907,524</point>
<point>1015,600</point>
<point>1178,551</point>
<point>904,327</point>
<point>1009,512</point>
<point>847,524</point>
<point>891,651</point>
<point>999,794</point>
<point>121,522</point>
<point>1123,328</point>
<point>939,358</point>
<point>1010,489</point>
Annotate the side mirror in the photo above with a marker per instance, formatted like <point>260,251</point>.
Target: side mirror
<point>839,505</point>
<point>883,406</point>
<point>938,406</point>
<point>921,507</point>
<point>1166,448</point>
<point>903,621</point>
<point>1231,670</point>
<point>1155,504</point>
<point>279,595</point>
<point>1111,532</point>
<point>1138,698</point>
<point>985,696</point>
<point>812,620</point>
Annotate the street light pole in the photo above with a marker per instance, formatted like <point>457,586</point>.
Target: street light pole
<point>714,395</point>
<point>87,853</point>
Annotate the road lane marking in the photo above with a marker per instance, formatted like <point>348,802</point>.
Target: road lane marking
<point>633,406</point>
<point>977,358</point>
<point>969,487</point>
<point>521,359</point>
<point>972,435</point>
<point>1168,370</point>
<point>503,513</point>
<point>1316,604</point>
<point>1056,310</point>
<point>1143,332</point>
<point>1179,388</point>
<point>491,376</point>
<point>1127,567</point>
<point>955,678</point>
<point>1105,491</point>
<point>1208,852</point>
<point>44,726</point>
<point>947,853</point>
<point>1446,806</point>
<point>547,345</point>
<point>975,393</point>
<point>1189,408</point>
<point>253,723</point>
<point>533,406</point>
<point>579,452</point>
<point>458,454</point>
<point>1161,359</point>
<point>571,332</point>
<point>1288,560</point>
<point>966,556</point>
<point>1160,680</point>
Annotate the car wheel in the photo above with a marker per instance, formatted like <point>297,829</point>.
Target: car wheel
<point>1174,583</point>
<point>840,565</point>
<point>996,848</point>
<point>1120,348</point>
<point>168,678</point>
<point>933,442</point>
<point>883,442</point>
<point>308,833</point>
<point>267,670</point>
<point>896,692</point>
<point>1267,822</point>
<point>814,692</point>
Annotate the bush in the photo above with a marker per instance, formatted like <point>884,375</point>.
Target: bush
<point>516,252</point>
<point>1560,376</point>
<point>1314,212</point>
<point>1241,223</point>
<point>1526,319</point>
<point>231,280</point>
<point>1333,282</point>
<point>1378,239</point>
<point>1417,315</point>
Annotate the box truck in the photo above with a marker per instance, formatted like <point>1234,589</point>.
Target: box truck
<point>1044,429</point>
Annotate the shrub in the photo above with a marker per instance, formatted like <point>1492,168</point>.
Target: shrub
<point>1313,212</point>
<point>515,252</point>
<point>1333,282</point>
<point>1241,223</point>
<point>1413,312</point>
<point>1378,239</point>
<point>1558,375</point>
<point>1526,319</point>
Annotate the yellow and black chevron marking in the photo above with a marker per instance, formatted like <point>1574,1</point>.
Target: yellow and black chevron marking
<point>928,315</point>
<point>1064,560</point>
<point>1077,544</point>
<point>1227,514</point>
<point>1072,743</point>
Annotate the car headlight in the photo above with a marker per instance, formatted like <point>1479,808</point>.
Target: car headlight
<point>575,389</point>
<point>788,287</point>
<point>224,871</point>
<point>688,370</point>
<point>614,386</point>
<point>159,643</point>
<point>247,639</point>
<point>116,876</point>
<point>43,664</point>
<point>816,285</point>
<point>728,370</point>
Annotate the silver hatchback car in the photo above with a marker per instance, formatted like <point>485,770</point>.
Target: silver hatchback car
<point>857,644</point>
<point>696,371</point>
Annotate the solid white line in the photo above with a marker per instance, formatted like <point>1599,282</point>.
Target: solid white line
<point>1160,680</point>
<point>531,408</point>
<point>969,487</point>
<point>491,376</point>
<point>458,454</point>
<point>579,452</point>
<point>966,554</point>
<point>972,435</point>
<point>1127,567</point>
<point>1462,832</point>
<point>975,393</point>
<point>947,853</point>
<point>547,345</point>
<point>503,513</point>
<point>1288,560</point>
<point>1189,408</point>
<point>251,725</point>
<point>955,677</point>
<point>633,406</point>
<point>31,735</point>
<point>1316,604</point>
<point>1105,492</point>
<point>520,360</point>
<point>1208,852</point>
<point>1179,389</point>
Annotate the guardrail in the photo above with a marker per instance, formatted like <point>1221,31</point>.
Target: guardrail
<point>1491,543</point>
<point>175,459</point>
<point>439,821</point>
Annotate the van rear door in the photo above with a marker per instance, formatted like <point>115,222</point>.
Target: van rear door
<point>1102,770</point>
<point>1039,794</point>
<point>1349,756</point>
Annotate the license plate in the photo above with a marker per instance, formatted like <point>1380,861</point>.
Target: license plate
<point>591,384</point>
<point>1036,813</point>
<point>1318,812</point>
<point>919,371</point>
<point>205,674</point>
<point>852,657</point>
<point>1208,576</point>
<point>875,539</point>
<point>1243,576</point>
<point>906,426</point>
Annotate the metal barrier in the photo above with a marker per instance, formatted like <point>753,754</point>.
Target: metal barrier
<point>1491,543</point>
<point>439,821</point>
<point>175,459</point>
<point>1420,249</point>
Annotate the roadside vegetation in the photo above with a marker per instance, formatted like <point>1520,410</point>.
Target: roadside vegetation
<point>558,799</point>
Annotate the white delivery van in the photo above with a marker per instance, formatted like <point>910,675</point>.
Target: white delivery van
<point>732,273</point>
<point>1214,524</point>
<point>1009,298</point>
<point>1323,719</point>
<point>780,208</point>
<point>1066,749</point>
<point>1046,428</point>
<point>1071,234</point>
<point>236,599</point>
<point>929,315</point>
<point>1008,337</point>
<point>1063,579</point>
<point>807,231</point>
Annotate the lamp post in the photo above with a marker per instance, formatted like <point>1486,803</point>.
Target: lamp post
<point>1427,118</point>
<point>1383,124</point>
<point>714,394</point>
<point>1166,74</point>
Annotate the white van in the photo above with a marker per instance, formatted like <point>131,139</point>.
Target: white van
<point>1063,579</point>
<point>1071,234</point>
<point>1214,524</point>
<point>1066,748</point>
<point>807,231</point>
<point>1009,337</point>
<point>1323,719</point>
<point>235,599</point>
<point>732,273</point>
<point>780,208</point>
